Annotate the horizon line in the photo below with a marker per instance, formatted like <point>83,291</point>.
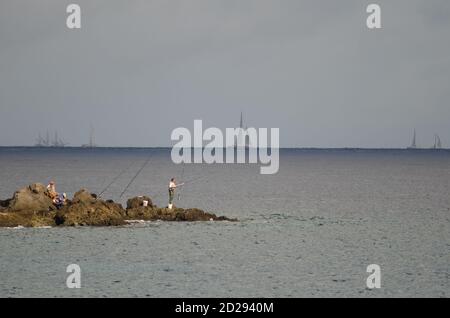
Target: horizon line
<point>169,147</point>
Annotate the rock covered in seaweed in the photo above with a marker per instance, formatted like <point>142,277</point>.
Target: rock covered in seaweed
<point>137,211</point>
<point>31,198</point>
<point>29,206</point>
<point>84,196</point>
<point>137,202</point>
<point>32,207</point>
<point>199,215</point>
<point>27,219</point>
<point>86,209</point>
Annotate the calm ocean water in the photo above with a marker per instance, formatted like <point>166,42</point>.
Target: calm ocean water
<point>310,230</point>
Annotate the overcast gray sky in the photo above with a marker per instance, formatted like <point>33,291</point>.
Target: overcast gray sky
<point>138,69</point>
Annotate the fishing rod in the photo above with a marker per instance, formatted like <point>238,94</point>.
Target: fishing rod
<point>115,179</point>
<point>187,182</point>
<point>196,179</point>
<point>182,176</point>
<point>132,180</point>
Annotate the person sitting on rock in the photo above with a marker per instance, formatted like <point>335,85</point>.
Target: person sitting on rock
<point>60,201</point>
<point>172,187</point>
<point>51,190</point>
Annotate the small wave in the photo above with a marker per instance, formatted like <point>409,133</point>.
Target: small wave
<point>19,227</point>
<point>136,221</point>
<point>142,223</point>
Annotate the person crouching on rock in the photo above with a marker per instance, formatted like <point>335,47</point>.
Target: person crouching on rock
<point>172,187</point>
<point>51,190</point>
<point>60,201</point>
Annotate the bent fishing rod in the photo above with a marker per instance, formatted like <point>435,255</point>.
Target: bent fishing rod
<point>182,177</point>
<point>135,176</point>
<point>115,179</point>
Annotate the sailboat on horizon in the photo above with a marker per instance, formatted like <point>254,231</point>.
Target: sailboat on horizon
<point>437,142</point>
<point>46,142</point>
<point>91,143</point>
<point>242,138</point>
<point>414,142</point>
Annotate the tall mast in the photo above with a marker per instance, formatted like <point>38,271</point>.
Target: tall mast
<point>47,139</point>
<point>239,137</point>
<point>414,145</point>
<point>39,140</point>
<point>91,137</point>
<point>56,141</point>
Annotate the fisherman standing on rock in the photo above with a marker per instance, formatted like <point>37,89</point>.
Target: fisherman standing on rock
<point>172,187</point>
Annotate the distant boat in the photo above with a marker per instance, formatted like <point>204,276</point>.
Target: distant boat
<point>46,142</point>
<point>91,143</point>
<point>41,142</point>
<point>437,142</point>
<point>57,142</point>
<point>413,143</point>
<point>240,140</point>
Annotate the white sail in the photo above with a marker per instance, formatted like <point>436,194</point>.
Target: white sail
<point>437,142</point>
<point>242,138</point>
<point>413,143</point>
<point>91,143</point>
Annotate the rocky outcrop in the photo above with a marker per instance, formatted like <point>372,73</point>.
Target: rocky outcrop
<point>32,198</point>
<point>27,219</point>
<point>84,196</point>
<point>29,206</point>
<point>87,209</point>
<point>137,202</point>
<point>136,211</point>
<point>32,207</point>
<point>175,214</point>
<point>199,215</point>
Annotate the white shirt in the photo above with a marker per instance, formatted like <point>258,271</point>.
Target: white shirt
<point>172,185</point>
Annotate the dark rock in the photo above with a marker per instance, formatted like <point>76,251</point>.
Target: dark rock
<point>137,202</point>
<point>38,188</point>
<point>83,196</point>
<point>198,215</point>
<point>174,214</point>
<point>85,209</point>
<point>4,204</point>
<point>142,213</point>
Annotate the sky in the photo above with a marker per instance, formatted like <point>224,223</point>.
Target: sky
<point>136,70</point>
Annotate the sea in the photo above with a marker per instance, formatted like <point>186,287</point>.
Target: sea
<point>311,230</point>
